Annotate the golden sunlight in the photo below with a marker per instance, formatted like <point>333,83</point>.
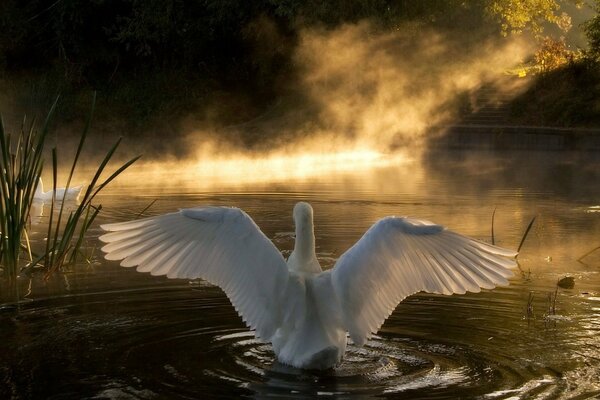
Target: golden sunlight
<point>244,169</point>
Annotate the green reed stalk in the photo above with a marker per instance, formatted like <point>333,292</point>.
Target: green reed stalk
<point>64,245</point>
<point>52,260</point>
<point>21,165</point>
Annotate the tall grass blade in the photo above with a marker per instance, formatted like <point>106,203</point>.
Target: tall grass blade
<point>115,174</point>
<point>66,246</point>
<point>84,134</point>
<point>87,222</point>
<point>49,238</point>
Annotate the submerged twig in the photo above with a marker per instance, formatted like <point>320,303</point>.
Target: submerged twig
<point>588,253</point>
<point>552,296</point>
<point>530,305</point>
<point>146,208</point>
<point>586,355</point>
<point>553,309</point>
<point>526,233</point>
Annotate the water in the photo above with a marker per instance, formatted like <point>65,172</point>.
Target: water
<point>101,331</point>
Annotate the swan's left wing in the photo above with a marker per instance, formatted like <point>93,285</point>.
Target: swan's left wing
<point>398,257</point>
<point>222,245</point>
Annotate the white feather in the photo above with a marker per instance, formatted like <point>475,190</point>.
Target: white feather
<point>398,257</point>
<point>305,312</point>
<point>221,245</point>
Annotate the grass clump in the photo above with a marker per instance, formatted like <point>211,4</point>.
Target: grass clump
<point>22,165</point>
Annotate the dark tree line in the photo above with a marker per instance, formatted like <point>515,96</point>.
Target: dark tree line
<point>95,41</point>
<point>159,49</point>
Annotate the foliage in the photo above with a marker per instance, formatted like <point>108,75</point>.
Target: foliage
<point>567,96</point>
<point>164,57</point>
<point>95,42</point>
<point>63,243</point>
<point>553,54</point>
<point>518,15</point>
<point>23,166</point>
<point>592,30</point>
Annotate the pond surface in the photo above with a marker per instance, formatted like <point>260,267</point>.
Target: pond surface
<point>106,332</point>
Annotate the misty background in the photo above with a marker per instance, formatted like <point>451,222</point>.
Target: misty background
<point>198,78</point>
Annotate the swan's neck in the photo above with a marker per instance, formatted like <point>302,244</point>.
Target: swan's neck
<point>304,256</point>
<point>305,241</point>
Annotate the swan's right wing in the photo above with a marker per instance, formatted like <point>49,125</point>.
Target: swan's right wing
<point>398,257</point>
<point>221,245</point>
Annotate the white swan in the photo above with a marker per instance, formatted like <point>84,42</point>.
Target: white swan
<point>72,193</point>
<point>302,310</point>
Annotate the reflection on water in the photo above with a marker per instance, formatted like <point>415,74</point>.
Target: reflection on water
<point>244,170</point>
<point>102,331</point>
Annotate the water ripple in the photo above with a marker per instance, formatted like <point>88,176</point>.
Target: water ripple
<point>179,342</point>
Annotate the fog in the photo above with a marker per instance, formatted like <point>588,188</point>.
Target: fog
<point>359,96</point>
<point>354,96</point>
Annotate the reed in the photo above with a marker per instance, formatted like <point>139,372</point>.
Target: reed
<point>22,165</point>
<point>64,242</point>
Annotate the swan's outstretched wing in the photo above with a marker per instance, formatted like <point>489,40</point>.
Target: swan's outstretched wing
<point>222,245</point>
<point>398,257</point>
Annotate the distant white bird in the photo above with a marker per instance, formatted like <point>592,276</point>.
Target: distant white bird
<point>302,310</point>
<point>72,193</point>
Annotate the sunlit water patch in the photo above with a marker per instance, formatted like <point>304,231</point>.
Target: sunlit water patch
<point>244,170</point>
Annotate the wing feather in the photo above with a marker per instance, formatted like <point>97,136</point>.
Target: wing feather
<point>398,257</point>
<point>221,245</point>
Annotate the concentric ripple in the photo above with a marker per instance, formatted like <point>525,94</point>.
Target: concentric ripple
<point>384,366</point>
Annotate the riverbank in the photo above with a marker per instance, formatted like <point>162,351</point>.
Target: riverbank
<point>515,137</point>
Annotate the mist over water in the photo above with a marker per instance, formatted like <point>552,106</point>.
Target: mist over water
<point>356,96</point>
<point>387,89</point>
<point>359,88</point>
<point>353,94</point>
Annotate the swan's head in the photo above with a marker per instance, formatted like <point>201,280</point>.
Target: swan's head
<point>303,214</point>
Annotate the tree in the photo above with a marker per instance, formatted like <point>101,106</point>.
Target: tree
<point>592,31</point>
<point>516,16</point>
